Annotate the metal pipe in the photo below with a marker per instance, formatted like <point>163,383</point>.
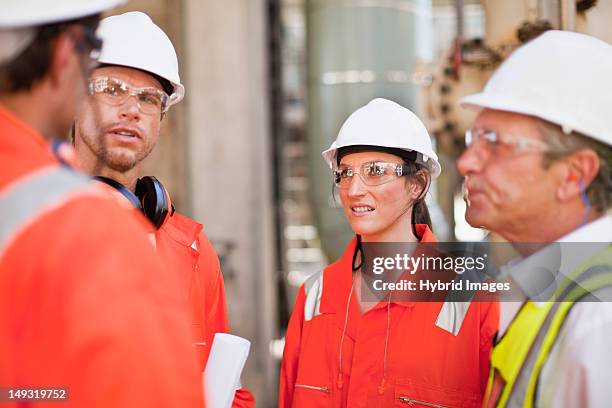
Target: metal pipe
<point>568,15</point>
<point>460,19</point>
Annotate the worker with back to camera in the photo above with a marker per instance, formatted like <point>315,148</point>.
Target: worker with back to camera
<point>538,169</point>
<point>130,93</point>
<point>86,319</point>
<point>342,351</point>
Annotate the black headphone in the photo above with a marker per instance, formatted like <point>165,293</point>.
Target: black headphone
<point>150,197</point>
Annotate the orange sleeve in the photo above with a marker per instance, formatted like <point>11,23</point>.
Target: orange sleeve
<point>96,313</point>
<point>216,307</point>
<point>291,353</point>
<point>488,329</point>
<point>243,399</point>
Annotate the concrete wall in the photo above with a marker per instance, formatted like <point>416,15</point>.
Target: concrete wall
<point>229,156</point>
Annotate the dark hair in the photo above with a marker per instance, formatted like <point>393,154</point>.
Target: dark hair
<point>166,85</point>
<point>420,213</point>
<point>417,173</point>
<point>32,64</point>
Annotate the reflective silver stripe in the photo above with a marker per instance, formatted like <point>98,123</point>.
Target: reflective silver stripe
<point>29,196</point>
<point>518,393</point>
<point>453,312</point>
<point>451,316</point>
<point>314,289</point>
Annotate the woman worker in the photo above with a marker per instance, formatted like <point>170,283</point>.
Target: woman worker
<point>342,351</point>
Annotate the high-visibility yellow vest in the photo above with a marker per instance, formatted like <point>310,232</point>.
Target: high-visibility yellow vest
<point>518,357</point>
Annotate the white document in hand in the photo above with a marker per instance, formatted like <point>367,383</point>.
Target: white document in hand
<point>222,374</point>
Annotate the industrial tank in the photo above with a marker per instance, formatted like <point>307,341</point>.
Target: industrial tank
<point>357,50</point>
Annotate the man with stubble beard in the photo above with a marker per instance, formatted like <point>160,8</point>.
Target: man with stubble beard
<point>118,127</point>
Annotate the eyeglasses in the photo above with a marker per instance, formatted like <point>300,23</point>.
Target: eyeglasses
<point>115,92</point>
<point>494,142</point>
<point>371,173</point>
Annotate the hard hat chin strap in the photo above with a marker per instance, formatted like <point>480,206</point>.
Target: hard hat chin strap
<point>358,252</point>
<point>412,205</point>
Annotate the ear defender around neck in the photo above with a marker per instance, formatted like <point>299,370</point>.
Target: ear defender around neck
<point>150,197</point>
<point>155,200</point>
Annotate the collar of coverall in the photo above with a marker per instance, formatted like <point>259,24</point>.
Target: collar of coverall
<point>182,229</point>
<point>560,258</point>
<point>338,279</point>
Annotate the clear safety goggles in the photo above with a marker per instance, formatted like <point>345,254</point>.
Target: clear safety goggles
<point>371,173</point>
<point>495,142</point>
<point>115,92</point>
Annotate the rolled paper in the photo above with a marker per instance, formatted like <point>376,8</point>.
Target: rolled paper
<point>226,361</point>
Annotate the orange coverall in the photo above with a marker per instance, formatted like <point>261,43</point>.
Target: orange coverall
<point>426,366</point>
<point>184,247</point>
<point>84,304</point>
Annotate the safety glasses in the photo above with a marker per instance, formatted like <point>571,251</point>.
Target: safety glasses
<point>371,173</point>
<point>115,92</point>
<point>495,142</point>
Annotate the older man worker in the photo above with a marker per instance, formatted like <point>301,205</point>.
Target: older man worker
<point>538,169</point>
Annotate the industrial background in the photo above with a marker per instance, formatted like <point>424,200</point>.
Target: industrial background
<point>269,83</point>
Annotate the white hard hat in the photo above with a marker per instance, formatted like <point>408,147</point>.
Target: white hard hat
<point>133,40</point>
<point>384,123</point>
<point>561,77</point>
<point>18,19</point>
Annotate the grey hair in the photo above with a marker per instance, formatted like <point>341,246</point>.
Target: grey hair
<point>599,191</point>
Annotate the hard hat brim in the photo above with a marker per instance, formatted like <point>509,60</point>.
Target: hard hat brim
<point>485,100</point>
<point>31,16</point>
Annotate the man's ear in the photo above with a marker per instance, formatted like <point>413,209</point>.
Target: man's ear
<point>579,170</point>
<point>72,134</point>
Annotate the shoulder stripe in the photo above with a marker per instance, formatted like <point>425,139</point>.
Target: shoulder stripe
<point>24,200</point>
<point>451,316</point>
<point>313,287</point>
